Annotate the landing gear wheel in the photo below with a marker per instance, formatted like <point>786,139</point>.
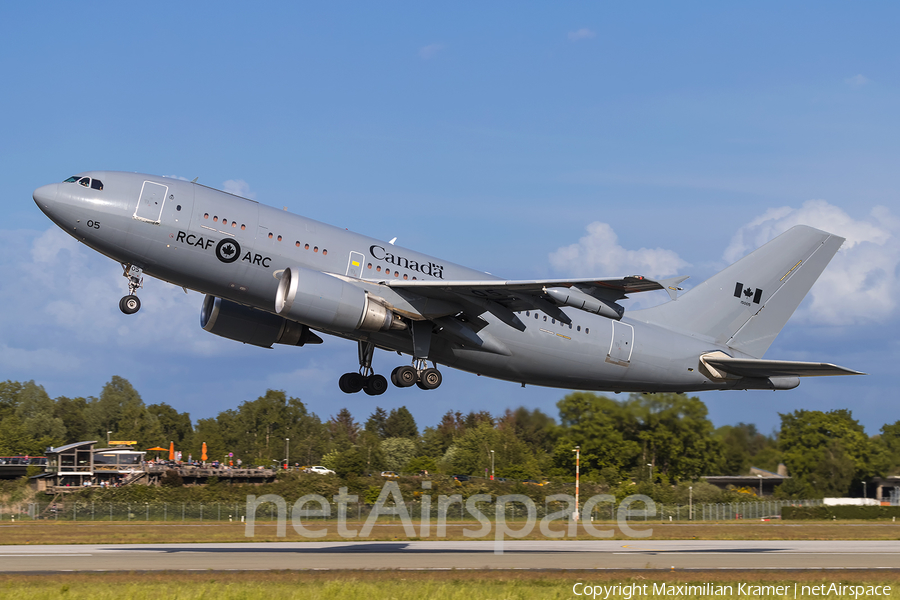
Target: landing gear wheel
<point>404,376</point>
<point>430,379</point>
<point>375,385</point>
<point>130,304</point>
<point>350,383</point>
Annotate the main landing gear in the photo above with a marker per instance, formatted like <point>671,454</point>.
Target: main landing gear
<point>426,378</point>
<point>366,380</point>
<point>419,374</point>
<point>130,304</point>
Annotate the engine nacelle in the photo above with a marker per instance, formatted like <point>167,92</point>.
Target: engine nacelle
<point>320,300</point>
<point>252,326</point>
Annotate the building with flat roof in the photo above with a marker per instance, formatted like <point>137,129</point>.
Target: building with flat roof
<point>80,465</point>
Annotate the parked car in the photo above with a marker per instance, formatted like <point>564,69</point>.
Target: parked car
<point>390,475</point>
<point>320,470</point>
<point>461,478</point>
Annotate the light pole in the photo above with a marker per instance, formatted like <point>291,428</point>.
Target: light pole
<point>577,452</point>
<point>107,437</point>
<point>691,503</point>
<point>287,452</point>
<point>760,484</point>
<point>651,471</point>
<point>864,491</point>
<point>492,465</point>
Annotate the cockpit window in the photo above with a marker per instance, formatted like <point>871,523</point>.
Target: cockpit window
<point>95,184</point>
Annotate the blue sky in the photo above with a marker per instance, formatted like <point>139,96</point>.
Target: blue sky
<point>527,140</point>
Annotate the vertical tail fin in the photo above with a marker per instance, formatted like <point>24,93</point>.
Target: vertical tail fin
<point>746,305</point>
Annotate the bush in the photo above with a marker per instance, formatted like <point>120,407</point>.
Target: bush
<point>829,513</point>
<point>171,478</point>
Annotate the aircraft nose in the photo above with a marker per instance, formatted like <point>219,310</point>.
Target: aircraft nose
<point>45,197</point>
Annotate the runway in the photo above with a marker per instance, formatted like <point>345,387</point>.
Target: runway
<point>438,555</point>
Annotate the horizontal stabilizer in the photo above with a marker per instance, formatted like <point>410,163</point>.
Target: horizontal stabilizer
<point>757,368</point>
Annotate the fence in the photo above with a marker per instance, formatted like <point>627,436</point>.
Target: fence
<point>231,512</point>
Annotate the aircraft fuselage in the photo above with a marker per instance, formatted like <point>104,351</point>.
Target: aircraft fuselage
<point>237,249</point>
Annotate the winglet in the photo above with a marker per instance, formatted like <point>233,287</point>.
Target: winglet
<point>671,285</point>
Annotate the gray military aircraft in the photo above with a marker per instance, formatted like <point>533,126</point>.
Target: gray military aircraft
<point>272,277</point>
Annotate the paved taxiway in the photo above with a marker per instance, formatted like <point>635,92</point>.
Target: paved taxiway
<point>517,554</point>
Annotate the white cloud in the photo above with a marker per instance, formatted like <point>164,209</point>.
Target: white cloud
<point>239,187</point>
<point>61,308</point>
<point>598,254</point>
<point>430,51</point>
<point>861,282</point>
<point>857,80</point>
<point>581,34</point>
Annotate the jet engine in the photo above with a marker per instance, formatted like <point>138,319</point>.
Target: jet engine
<point>321,300</point>
<point>252,326</point>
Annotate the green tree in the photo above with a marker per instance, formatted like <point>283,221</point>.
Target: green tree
<point>397,452</point>
<point>72,412</point>
<point>604,429</point>
<point>676,435</point>
<point>401,423</point>
<point>175,426</point>
<point>376,422</point>
<point>825,450</point>
<point>36,412</point>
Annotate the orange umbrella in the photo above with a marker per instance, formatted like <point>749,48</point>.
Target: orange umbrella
<point>203,452</point>
<point>171,450</point>
<point>156,449</point>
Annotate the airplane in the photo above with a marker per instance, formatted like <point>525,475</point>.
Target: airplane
<point>273,277</point>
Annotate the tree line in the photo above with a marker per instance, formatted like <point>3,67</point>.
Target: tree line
<point>647,438</point>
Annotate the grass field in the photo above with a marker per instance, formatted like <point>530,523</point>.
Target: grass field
<point>350,585</point>
<point>104,532</point>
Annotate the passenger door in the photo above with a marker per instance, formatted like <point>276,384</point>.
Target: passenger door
<point>621,345</point>
<point>150,204</point>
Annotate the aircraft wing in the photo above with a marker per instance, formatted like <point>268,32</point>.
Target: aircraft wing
<point>503,297</point>
<point>753,367</point>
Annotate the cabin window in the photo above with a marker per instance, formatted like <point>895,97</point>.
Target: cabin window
<point>279,238</point>
<point>243,227</point>
<point>270,235</point>
<point>587,329</point>
<point>297,244</point>
<point>306,247</point>
<point>315,248</point>
<point>324,252</point>
<point>178,208</point>
<point>205,215</point>
<point>369,266</point>
<point>578,328</point>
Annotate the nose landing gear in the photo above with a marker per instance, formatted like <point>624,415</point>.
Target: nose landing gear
<point>130,304</point>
